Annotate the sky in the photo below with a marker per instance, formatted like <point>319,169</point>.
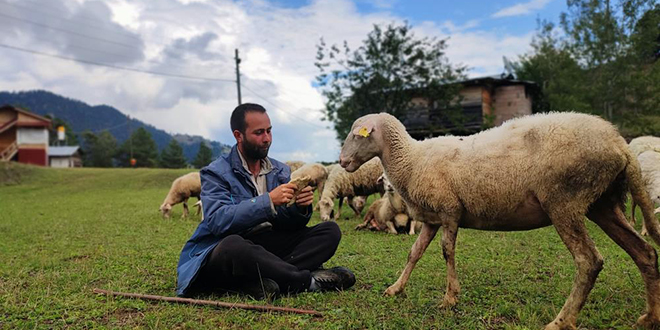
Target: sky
<point>170,63</point>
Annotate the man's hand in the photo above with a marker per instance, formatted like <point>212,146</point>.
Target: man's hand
<point>305,197</point>
<point>282,194</point>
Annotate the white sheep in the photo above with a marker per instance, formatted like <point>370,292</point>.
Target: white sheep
<point>644,143</point>
<point>317,173</point>
<point>294,164</point>
<point>531,172</point>
<point>342,184</point>
<point>649,162</point>
<point>183,187</point>
<point>389,212</point>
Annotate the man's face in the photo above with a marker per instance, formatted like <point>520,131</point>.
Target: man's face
<point>257,138</point>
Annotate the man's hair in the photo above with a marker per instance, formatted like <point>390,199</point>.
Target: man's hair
<point>237,121</point>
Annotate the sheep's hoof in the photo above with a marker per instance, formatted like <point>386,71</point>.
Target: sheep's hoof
<point>648,322</point>
<point>644,232</point>
<point>449,302</point>
<point>392,291</point>
<point>557,326</point>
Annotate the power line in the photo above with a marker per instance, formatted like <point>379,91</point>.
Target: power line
<point>116,66</point>
<point>279,109</point>
<point>67,31</point>
<point>69,20</point>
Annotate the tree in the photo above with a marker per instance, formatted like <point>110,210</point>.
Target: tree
<point>383,75</point>
<point>204,156</point>
<point>99,149</point>
<point>143,148</point>
<point>172,156</point>
<point>605,63</point>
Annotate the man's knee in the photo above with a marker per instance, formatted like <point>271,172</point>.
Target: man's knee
<point>330,232</point>
<point>231,245</point>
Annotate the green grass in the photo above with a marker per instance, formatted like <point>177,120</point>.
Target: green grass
<point>65,232</point>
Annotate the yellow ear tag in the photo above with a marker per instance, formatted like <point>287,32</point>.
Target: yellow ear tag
<point>364,132</point>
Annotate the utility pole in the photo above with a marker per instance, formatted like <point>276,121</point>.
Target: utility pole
<point>238,77</point>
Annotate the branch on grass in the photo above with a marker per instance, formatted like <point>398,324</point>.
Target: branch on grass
<point>261,308</point>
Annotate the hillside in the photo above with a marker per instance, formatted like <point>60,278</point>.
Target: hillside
<point>81,116</point>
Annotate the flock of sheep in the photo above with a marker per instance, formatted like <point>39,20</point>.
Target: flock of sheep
<point>333,184</point>
<point>531,172</point>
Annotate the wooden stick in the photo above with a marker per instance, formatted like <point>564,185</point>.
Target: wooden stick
<point>261,308</point>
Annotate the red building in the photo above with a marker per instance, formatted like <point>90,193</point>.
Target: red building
<point>23,136</point>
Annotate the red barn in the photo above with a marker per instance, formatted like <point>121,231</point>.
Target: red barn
<point>23,136</point>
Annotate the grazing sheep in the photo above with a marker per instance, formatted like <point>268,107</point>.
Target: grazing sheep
<point>649,162</point>
<point>317,173</point>
<point>389,212</point>
<point>531,172</point>
<point>294,164</point>
<point>184,187</point>
<point>644,143</point>
<point>342,184</point>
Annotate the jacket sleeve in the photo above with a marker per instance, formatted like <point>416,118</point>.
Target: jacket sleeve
<point>224,215</point>
<point>292,217</point>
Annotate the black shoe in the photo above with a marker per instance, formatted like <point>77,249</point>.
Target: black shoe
<point>261,289</point>
<point>333,279</point>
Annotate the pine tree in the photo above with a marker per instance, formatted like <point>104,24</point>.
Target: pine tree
<point>144,149</point>
<point>172,156</point>
<point>204,156</point>
<point>99,149</point>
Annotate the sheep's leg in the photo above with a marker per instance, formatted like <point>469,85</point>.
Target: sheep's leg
<point>350,204</point>
<point>449,233</point>
<point>390,228</point>
<point>422,242</point>
<point>633,206</point>
<point>185,209</point>
<point>413,223</point>
<point>615,225</point>
<point>338,214</point>
<point>589,262</point>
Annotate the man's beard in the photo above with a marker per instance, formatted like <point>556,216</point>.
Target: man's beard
<point>254,151</point>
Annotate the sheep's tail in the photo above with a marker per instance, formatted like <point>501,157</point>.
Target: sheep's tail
<point>641,198</point>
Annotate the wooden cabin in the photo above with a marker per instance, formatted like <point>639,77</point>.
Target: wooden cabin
<point>23,136</point>
<point>486,102</point>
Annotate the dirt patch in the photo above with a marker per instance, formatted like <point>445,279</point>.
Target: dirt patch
<point>12,173</point>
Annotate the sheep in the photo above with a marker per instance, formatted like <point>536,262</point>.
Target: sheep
<point>183,187</point>
<point>389,212</point>
<point>530,172</point>
<point>649,162</point>
<point>294,164</point>
<point>342,184</point>
<point>644,143</point>
<point>317,173</point>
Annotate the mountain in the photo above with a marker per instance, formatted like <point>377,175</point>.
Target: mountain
<point>81,116</point>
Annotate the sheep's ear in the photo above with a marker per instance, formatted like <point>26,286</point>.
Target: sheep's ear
<point>365,129</point>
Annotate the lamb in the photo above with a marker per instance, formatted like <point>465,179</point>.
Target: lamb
<point>294,164</point>
<point>342,184</point>
<point>183,187</point>
<point>531,172</point>
<point>649,162</point>
<point>317,173</point>
<point>388,212</point>
<point>644,143</point>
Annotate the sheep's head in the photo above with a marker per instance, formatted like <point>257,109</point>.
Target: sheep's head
<point>326,209</point>
<point>361,144</point>
<point>358,203</point>
<point>387,185</point>
<point>165,209</point>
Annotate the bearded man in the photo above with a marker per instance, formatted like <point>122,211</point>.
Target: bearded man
<point>249,240</point>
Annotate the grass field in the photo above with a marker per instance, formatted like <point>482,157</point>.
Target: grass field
<point>65,232</point>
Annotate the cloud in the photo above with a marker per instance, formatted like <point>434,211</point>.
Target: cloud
<point>198,38</point>
<point>521,8</point>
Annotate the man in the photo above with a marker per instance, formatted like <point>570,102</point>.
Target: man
<point>250,241</point>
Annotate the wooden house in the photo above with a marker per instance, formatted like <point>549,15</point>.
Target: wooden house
<point>486,102</point>
<point>23,136</point>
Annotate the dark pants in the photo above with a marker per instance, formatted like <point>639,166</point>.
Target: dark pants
<point>287,257</point>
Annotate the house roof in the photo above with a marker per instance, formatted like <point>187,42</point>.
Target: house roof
<point>62,151</point>
<point>28,113</point>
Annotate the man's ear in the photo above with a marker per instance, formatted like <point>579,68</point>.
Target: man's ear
<point>238,136</point>
<point>365,128</point>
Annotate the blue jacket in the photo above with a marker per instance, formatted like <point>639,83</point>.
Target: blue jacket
<point>231,205</point>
